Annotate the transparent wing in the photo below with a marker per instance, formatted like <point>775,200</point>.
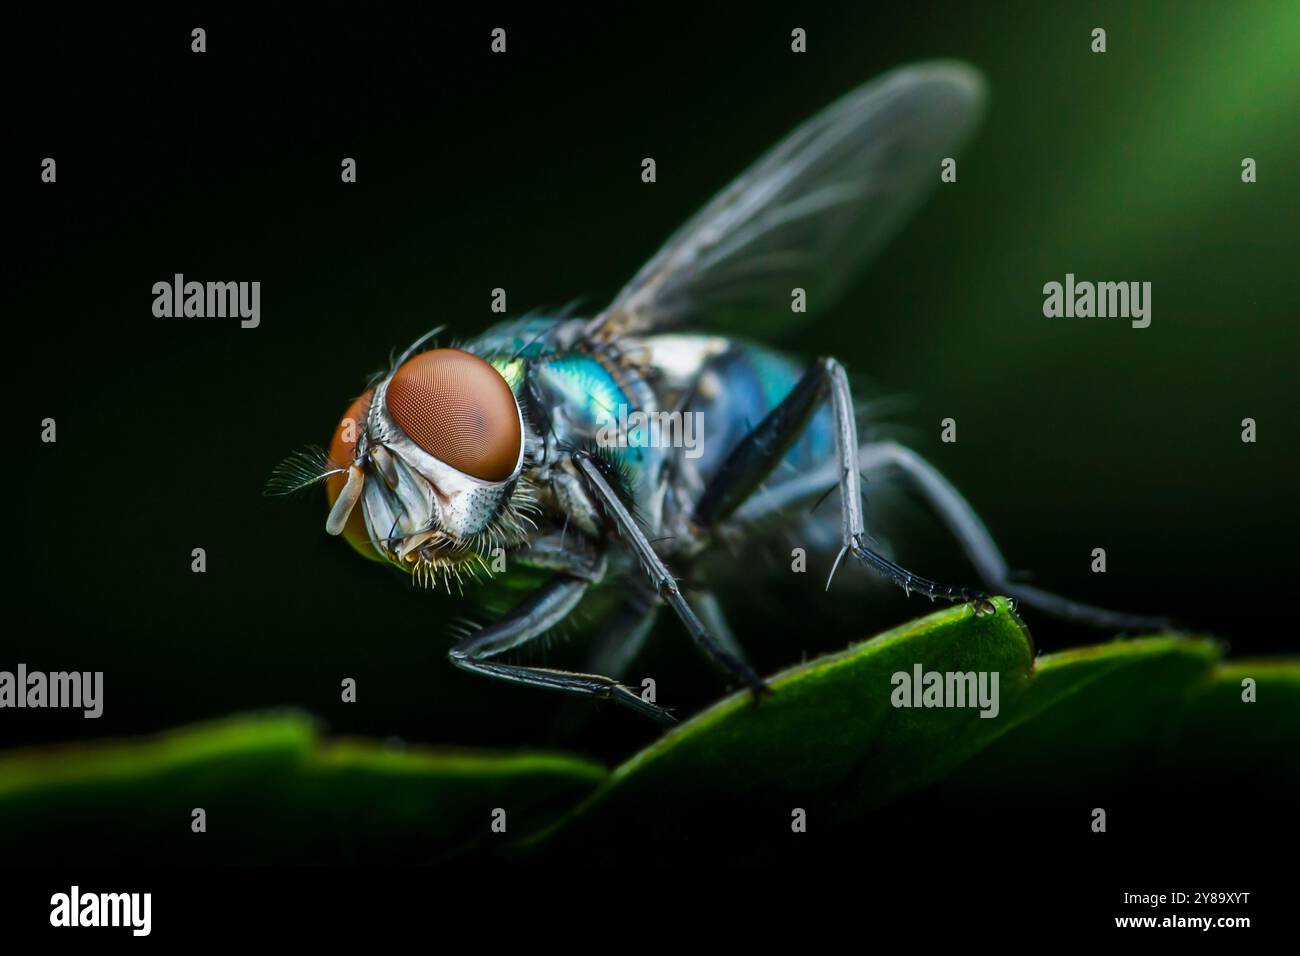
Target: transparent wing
<point>811,210</point>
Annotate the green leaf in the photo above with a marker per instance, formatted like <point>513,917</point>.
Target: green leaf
<point>827,740</point>
<point>830,741</point>
<point>1259,740</point>
<point>1159,707</point>
<point>273,791</point>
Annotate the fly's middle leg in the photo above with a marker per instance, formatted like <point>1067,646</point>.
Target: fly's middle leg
<point>763,448</point>
<point>665,585</point>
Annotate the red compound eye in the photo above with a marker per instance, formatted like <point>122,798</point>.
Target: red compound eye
<point>460,410</point>
<point>342,447</point>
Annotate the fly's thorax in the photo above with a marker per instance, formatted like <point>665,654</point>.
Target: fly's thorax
<point>527,338</point>
<point>600,401</point>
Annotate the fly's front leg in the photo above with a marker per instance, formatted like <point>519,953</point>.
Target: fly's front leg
<point>759,452</point>
<point>557,552</point>
<point>614,648</point>
<point>664,583</point>
<point>534,616</point>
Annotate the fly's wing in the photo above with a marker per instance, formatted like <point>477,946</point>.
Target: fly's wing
<point>811,210</point>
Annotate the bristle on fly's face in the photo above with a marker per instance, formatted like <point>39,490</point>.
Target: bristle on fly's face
<point>441,560</point>
<point>299,471</point>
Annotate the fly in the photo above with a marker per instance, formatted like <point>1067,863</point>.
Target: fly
<point>531,441</point>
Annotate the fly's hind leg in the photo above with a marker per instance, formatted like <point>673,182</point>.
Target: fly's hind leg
<point>962,522</point>
<point>970,532</point>
<point>531,618</point>
<point>759,452</point>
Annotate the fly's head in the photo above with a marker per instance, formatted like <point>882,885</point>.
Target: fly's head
<point>425,468</point>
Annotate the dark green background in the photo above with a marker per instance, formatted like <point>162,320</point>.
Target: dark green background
<point>523,172</point>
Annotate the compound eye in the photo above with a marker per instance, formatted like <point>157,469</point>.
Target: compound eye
<point>342,450</point>
<point>460,410</point>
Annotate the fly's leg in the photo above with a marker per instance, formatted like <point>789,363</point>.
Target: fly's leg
<point>531,618</point>
<point>622,638</point>
<point>970,532</point>
<point>553,552</point>
<point>961,520</point>
<point>614,648</point>
<point>716,621</point>
<point>760,451</point>
<point>664,583</point>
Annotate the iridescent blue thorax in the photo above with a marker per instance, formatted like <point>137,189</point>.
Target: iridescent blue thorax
<point>582,399</point>
<point>516,338</point>
<point>579,397</point>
